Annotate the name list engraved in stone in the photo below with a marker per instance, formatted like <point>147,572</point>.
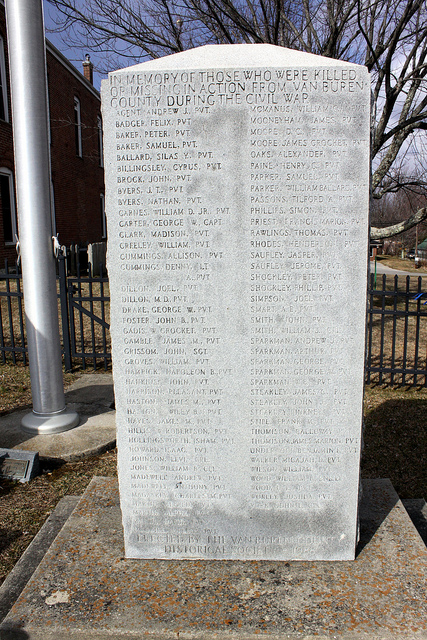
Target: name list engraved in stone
<point>237,230</point>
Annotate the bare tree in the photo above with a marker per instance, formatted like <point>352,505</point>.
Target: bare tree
<point>388,36</point>
<point>401,209</point>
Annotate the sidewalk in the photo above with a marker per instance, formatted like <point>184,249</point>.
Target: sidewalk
<point>382,269</point>
<point>92,396</point>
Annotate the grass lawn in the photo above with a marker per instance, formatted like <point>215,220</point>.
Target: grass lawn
<point>15,386</point>
<point>402,264</point>
<point>395,447</point>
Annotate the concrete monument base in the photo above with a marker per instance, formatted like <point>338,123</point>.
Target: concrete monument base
<point>85,588</point>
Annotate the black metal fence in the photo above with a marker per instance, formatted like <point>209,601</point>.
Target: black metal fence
<point>397,330</point>
<point>396,324</point>
<point>83,308</point>
<point>84,312</point>
<point>12,329</point>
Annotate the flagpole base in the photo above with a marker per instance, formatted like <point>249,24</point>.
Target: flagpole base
<point>48,423</point>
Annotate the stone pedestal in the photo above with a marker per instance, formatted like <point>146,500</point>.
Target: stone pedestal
<point>85,588</point>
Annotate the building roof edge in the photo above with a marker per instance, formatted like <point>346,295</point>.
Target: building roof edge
<point>66,63</point>
<point>71,68</point>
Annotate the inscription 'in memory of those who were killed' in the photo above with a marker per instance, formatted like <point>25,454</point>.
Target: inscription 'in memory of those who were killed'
<point>237,221</point>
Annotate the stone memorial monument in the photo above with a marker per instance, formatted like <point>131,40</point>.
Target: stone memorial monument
<point>237,196</point>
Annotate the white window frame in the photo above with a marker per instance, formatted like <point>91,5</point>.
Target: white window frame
<point>100,142</point>
<point>8,173</point>
<point>3,81</point>
<point>78,126</point>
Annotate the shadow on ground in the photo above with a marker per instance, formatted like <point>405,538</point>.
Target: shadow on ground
<point>88,400</point>
<point>13,632</point>
<point>395,445</point>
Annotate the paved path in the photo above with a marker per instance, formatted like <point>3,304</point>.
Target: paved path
<point>383,269</point>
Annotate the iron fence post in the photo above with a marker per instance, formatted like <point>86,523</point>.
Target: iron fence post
<point>65,322</point>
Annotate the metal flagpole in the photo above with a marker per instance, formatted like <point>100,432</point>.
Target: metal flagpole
<point>27,62</point>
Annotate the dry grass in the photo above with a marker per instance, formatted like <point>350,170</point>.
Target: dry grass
<point>402,264</point>
<point>15,386</point>
<point>395,438</point>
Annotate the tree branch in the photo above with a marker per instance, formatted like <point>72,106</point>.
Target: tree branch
<point>395,229</point>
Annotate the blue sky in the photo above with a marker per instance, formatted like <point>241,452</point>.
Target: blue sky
<point>76,55</point>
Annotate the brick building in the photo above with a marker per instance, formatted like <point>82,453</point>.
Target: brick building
<point>76,153</point>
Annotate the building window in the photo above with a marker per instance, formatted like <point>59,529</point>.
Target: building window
<point>7,196</point>
<point>100,143</point>
<point>78,127</point>
<point>103,218</point>
<point>4,111</point>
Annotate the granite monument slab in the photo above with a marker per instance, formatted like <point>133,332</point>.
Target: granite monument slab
<point>237,194</point>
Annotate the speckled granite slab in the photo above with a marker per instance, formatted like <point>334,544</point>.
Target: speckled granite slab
<point>84,588</point>
<point>237,197</point>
